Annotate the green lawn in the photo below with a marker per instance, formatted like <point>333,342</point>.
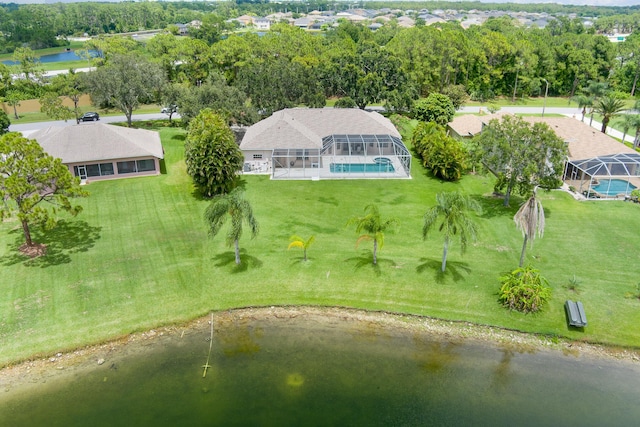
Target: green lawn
<point>139,256</point>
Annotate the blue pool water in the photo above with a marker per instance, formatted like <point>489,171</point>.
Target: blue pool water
<point>381,165</point>
<point>612,187</point>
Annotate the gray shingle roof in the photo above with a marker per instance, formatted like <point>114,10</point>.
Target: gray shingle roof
<point>97,141</point>
<point>305,127</point>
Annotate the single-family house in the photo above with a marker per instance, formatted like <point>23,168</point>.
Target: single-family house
<point>326,143</point>
<point>100,151</point>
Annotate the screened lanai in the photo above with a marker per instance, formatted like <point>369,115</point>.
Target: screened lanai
<point>326,143</point>
<point>609,176</point>
<point>345,156</point>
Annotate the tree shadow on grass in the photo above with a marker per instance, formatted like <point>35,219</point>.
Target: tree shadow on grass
<point>68,237</point>
<point>366,261</point>
<point>493,206</point>
<point>229,258</point>
<point>454,269</point>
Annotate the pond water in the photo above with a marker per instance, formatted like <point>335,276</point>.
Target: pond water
<point>296,371</point>
<point>55,57</point>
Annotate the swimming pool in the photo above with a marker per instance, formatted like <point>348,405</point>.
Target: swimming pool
<point>378,167</point>
<point>613,187</point>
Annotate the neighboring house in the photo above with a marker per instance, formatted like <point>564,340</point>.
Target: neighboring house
<point>182,29</point>
<point>262,24</point>
<point>595,163</point>
<point>99,151</point>
<point>327,143</point>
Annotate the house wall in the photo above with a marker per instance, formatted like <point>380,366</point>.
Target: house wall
<point>257,161</point>
<point>117,174</point>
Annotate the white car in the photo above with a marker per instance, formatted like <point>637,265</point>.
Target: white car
<point>169,110</point>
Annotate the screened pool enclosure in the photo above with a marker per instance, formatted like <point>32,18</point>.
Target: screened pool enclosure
<point>610,176</point>
<point>345,156</point>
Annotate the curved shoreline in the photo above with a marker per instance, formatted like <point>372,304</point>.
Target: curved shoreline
<point>30,373</point>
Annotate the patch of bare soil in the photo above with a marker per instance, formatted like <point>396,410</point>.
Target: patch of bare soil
<point>33,372</point>
<point>33,251</point>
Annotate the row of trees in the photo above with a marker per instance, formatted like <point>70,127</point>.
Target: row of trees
<point>393,66</point>
<point>243,75</point>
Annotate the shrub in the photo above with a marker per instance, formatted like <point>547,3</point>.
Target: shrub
<point>345,102</point>
<point>524,289</point>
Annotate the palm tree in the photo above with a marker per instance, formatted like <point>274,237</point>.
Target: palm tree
<point>530,220</point>
<point>374,228</point>
<point>583,102</point>
<point>595,91</point>
<point>608,107</point>
<point>453,208</point>
<point>299,242</point>
<point>231,205</point>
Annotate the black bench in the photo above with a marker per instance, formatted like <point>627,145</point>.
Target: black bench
<point>575,313</point>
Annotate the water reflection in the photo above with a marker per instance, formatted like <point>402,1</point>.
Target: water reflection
<point>311,371</point>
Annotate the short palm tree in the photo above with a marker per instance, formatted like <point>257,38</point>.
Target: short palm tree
<point>608,107</point>
<point>583,102</point>
<point>595,91</point>
<point>374,228</point>
<point>453,208</point>
<point>232,205</point>
<point>299,242</point>
<point>530,220</point>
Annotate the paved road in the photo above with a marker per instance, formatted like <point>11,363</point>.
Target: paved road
<point>566,111</point>
<point>27,128</point>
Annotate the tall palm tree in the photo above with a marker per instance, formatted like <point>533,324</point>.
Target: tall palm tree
<point>374,228</point>
<point>608,107</point>
<point>595,91</point>
<point>530,220</point>
<point>231,205</point>
<point>453,207</point>
<point>299,242</point>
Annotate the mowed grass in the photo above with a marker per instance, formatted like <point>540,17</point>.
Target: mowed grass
<point>139,256</point>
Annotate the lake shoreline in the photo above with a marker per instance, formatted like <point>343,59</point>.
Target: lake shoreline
<point>28,374</point>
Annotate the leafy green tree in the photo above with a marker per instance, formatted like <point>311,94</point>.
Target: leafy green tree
<point>524,289</point>
<point>457,94</point>
<point>13,98</point>
<point>530,220</point>
<point>108,47</point>
<point>299,242</point>
<point>436,108</point>
<point>125,82</point>
<point>212,155</point>
<point>211,30</point>
<point>4,122</point>
<point>292,87</point>
<point>216,94</point>
<point>519,155</point>
<point>28,63</point>
<point>52,106</point>
<point>367,74</point>
<point>373,227</point>
<point>608,107</point>
<point>72,86</point>
<point>164,49</point>
<point>345,102</point>
<point>30,178</point>
<point>235,207</point>
<point>453,208</point>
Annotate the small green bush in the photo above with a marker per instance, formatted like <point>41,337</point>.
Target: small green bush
<point>524,289</point>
